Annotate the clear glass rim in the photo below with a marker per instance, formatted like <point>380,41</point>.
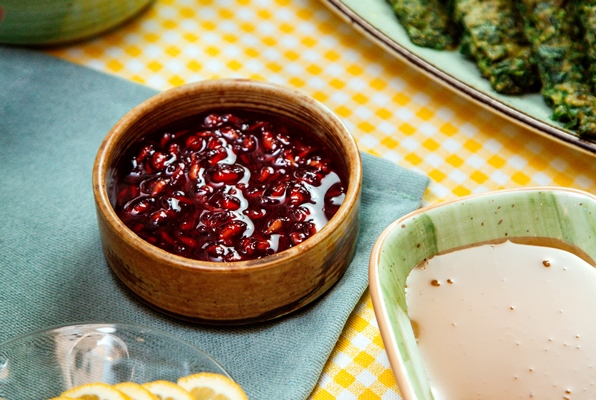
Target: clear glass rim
<point>123,326</point>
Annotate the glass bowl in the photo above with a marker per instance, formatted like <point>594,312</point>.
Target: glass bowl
<point>42,364</point>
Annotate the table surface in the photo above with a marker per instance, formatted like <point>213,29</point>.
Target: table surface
<point>393,111</point>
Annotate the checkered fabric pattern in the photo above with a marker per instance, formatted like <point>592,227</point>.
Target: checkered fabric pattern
<point>393,111</point>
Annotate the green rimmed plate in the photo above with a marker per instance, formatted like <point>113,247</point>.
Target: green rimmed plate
<point>50,22</point>
<point>376,20</point>
<point>563,215</point>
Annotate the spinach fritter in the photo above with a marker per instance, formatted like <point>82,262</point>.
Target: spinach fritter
<point>519,46</point>
<point>586,13</point>
<point>427,23</point>
<point>557,46</point>
<point>493,37</point>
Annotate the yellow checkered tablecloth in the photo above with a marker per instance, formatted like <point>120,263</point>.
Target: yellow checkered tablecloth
<point>393,111</point>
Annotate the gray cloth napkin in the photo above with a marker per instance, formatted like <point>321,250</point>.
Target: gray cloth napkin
<point>53,117</point>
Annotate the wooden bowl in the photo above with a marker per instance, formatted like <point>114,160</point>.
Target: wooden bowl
<point>237,292</point>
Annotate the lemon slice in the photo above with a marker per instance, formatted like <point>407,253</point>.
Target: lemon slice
<point>210,386</point>
<point>135,391</point>
<point>95,391</point>
<point>166,390</point>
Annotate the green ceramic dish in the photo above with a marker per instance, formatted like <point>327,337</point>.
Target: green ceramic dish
<point>565,215</point>
<point>44,22</point>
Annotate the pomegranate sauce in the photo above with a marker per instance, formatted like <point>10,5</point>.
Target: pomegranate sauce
<point>229,186</point>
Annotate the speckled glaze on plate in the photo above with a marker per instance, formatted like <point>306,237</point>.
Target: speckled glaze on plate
<point>376,20</point>
<point>561,214</point>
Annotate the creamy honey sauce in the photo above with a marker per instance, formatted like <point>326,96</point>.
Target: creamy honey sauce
<point>506,321</point>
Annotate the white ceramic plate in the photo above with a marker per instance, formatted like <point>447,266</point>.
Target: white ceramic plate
<point>376,20</point>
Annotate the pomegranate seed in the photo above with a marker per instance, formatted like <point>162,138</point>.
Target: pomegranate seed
<point>147,185</point>
<point>158,160</point>
<point>213,220</point>
<point>205,134</point>
<point>193,143</point>
<point>214,143</point>
<point>217,155</point>
<point>186,225</point>
<point>302,151</point>
<point>268,141</point>
<point>257,126</point>
<point>165,236</point>
<point>227,232</point>
<point>252,246</point>
<point>145,152</point>
<point>141,207</point>
<point>307,228</point>
<point>193,173</point>
<point>265,173</point>
<point>179,134</point>
<point>204,190</point>
<point>174,149</point>
<point>181,192</point>
<point>298,195</point>
<point>246,246</point>
<point>229,133</point>
<point>226,202</point>
<point>227,173</point>
<point>254,191</point>
<point>288,157</point>
<point>215,251</point>
<point>177,174</point>
<point>138,227</point>
<point>231,256</point>
<point>212,120</point>
<point>262,245</point>
<point>233,119</point>
<point>127,193</point>
<point>159,186</point>
<point>190,242</point>
<point>300,214</point>
<point>274,226</point>
<point>284,138</point>
<point>335,190</point>
<point>320,165</point>
<point>166,137</point>
<point>160,217</point>
<point>279,189</point>
<point>309,176</point>
<point>249,144</point>
<point>255,214</point>
<point>183,199</point>
<point>297,237</point>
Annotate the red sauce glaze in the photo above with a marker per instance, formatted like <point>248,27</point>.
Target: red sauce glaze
<point>229,186</point>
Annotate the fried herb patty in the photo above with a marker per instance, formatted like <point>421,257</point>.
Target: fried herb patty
<point>427,22</point>
<point>519,46</point>
<point>556,43</point>
<point>586,14</point>
<point>492,36</point>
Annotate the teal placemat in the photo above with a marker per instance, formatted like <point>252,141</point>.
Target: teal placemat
<point>53,117</point>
